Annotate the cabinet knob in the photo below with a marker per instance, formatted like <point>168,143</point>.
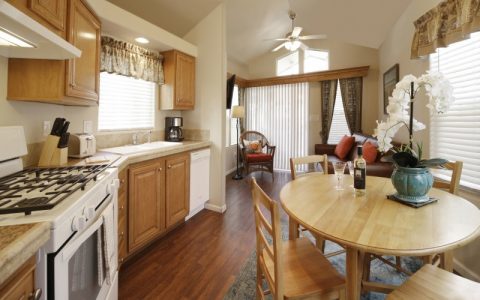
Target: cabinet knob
<point>122,207</point>
<point>73,85</point>
<point>122,181</point>
<point>121,234</point>
<point>35,295</point>
<point>169,166</point>
<point>160,169</point>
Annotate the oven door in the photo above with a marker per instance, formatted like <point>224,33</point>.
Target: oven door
<point>79,267</point>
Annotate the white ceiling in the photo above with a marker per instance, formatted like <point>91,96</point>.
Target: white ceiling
<point>251,22</point>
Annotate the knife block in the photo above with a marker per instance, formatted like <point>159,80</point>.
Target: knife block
<point>51,154</point>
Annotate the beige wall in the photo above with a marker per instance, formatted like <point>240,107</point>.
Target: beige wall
<point>237,68</point>
<point>31,115</point>
<point>209,113</point>
<point>341,55</point>
<point>396,49</point>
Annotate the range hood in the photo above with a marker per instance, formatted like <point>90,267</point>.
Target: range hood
<point>23,37</point>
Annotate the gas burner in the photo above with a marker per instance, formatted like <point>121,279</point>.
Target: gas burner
<point>42,188</point>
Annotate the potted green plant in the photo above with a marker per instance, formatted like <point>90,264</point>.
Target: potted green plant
<point>412,178</point>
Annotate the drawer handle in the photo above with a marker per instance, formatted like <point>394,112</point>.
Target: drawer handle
<point>35,295</point>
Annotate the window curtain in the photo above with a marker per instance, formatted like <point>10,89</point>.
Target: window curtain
<point>241,102</point>
<point>280,112</point>
<point>449,22</point>
<point>131,60</point>
<point>351,89</point>
<point>328,91</point>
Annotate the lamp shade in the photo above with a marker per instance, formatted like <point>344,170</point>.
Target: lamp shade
<point>238,112</point>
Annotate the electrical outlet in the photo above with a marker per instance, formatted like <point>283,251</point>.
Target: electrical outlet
<point>47,127</point>
<point>88,127</point>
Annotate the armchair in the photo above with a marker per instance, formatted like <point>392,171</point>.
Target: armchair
<point>260,160</point>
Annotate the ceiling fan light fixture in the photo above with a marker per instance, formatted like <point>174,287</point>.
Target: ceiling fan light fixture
<point>292,46</point>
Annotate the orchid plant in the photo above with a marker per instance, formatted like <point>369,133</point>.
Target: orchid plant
<point>400,113</point>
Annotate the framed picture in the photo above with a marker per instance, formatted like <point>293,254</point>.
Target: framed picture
<point>390,79</point>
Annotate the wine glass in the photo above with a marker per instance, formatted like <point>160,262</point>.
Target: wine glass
<point>339,168</point>
<point>350,169</point>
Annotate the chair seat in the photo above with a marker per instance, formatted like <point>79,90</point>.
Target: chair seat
<point>306,271</point>
<point>259,157</point>
<point>431,282</point>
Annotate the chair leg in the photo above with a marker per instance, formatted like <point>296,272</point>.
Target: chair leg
<point>259,282</point>
<point>398,262</point>
<point>320,243</point>
<point>367,260</point>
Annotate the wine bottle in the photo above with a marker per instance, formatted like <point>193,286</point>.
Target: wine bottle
<point>359,173</point>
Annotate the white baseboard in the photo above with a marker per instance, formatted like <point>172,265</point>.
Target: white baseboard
<point>465,271</point>
<point>195,211</point>
<point>216,208</point>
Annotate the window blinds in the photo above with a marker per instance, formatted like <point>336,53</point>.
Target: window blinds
<point>339,126</point>
<point>280,113</point>
<point>456,134</point>
<point>125,103</point>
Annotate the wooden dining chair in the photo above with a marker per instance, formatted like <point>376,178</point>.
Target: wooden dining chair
<point>292,269</point>
<point>431,282</point>
<point>309,161</point>
<point>454,183</point>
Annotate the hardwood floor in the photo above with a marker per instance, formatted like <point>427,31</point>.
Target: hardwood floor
<point>201,258</point>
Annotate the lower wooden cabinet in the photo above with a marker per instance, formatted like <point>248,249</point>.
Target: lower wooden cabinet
<point>153,197</point>
<point>21,285</point>
<point>177,188</point>
<point>146,203</point>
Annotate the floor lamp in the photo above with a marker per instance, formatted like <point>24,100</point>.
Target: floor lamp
<point>238,112</point>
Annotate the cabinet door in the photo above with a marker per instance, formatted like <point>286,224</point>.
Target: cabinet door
<point>20,285</point>
<point>83,73</point>
<point>146,203</point>
<point>177,187</point>
<point>53,11</point>
<point>185,81</point>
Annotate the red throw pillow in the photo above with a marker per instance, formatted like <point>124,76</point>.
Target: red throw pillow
<point>369,152</point>
<point>343,147</point>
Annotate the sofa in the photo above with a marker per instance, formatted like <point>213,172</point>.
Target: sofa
<point>377,168</point>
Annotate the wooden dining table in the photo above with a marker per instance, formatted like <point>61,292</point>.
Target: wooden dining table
<point>374,224</point>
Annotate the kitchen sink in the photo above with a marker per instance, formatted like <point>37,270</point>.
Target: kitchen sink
<point>133,149</point>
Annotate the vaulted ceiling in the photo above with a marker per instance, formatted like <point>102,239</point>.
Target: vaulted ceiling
<point>251,23</point>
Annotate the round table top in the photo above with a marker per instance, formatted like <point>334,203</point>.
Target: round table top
<point>376,224</point>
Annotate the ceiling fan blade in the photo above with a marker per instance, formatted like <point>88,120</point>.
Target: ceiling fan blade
<point>296,31</point>
<point>278,47</point>
<point>281,39</point>
<point>313,37</point>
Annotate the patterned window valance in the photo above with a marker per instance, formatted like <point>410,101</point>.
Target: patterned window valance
<point>131,60</point>
<point>449,22</point>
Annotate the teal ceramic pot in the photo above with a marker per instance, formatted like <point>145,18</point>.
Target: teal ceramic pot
<point>412,184</point>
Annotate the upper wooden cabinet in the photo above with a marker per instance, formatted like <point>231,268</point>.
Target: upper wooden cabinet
<point>178,92</point>
<point>67,82</point>
<point>50,13</point>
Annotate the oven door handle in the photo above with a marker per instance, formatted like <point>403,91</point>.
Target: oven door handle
<point>70,249</point>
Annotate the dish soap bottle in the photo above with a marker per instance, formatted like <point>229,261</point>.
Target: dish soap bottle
<point>359,173</point>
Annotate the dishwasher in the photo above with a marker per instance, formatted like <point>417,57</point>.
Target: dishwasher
<point>199,180</point>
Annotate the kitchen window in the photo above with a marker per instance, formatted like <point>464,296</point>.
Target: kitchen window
<point>125,103</point>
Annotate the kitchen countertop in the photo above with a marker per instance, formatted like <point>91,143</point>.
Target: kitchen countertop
<point>18,243</point>
<point>125,160</point>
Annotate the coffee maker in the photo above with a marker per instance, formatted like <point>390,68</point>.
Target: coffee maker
<point>173,129</point>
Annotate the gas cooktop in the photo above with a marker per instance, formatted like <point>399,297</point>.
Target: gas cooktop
<point>43,188</point>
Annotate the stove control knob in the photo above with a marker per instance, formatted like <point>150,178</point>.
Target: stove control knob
<point>113,186</point>
<point>89,212</point>
<point>79,223</point>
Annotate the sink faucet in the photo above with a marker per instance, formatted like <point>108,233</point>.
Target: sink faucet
<point>149,136</point>
<point>135,138</point>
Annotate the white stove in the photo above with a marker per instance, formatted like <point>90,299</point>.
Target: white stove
<point>80,203</point>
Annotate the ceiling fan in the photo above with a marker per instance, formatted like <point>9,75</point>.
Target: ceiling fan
<point>293,40</point>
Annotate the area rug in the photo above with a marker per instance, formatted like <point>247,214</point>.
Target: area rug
<point>244,286</point>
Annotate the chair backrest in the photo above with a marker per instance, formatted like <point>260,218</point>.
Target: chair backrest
<point>452,186</point>
<point>268,252</point>
<point>306,160</point>
<point>253,136</point>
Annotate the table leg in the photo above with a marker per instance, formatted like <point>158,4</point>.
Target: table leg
<point>354,270</point>
<point>447,261</point>
<point>292,229</point>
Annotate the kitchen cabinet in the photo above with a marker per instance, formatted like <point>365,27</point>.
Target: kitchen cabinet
<point>21,285</point>
<point>50,13</point>
<point>67,82</point>
<point>177,188</point>
<point>178,92</point>
<point>122,216</point>
<point>146,203</point>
